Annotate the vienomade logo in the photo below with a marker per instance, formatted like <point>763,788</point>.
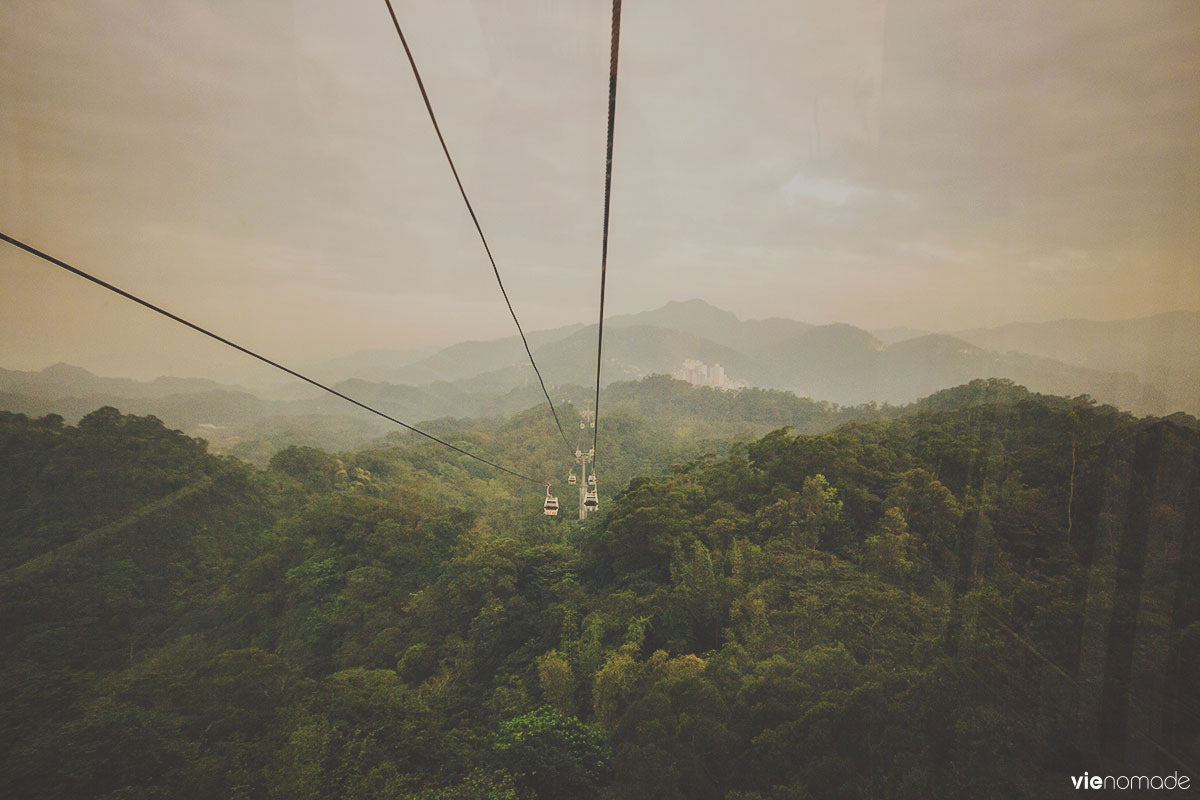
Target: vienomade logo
<point>1174,781</point>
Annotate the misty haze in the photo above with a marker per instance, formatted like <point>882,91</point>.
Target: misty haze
<point>870,468</point>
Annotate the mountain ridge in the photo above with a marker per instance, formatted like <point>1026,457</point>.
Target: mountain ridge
<point>837,362</point>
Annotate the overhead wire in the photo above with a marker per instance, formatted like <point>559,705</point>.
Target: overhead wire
<point>471,210</point>
<point>130,296</point>
<point>612,112</point>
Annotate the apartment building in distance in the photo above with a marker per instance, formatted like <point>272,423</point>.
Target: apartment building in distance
<point>698,373</point>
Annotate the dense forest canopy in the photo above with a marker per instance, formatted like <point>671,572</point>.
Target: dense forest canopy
<point>980,597</point>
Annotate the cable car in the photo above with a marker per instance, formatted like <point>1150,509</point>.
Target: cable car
<point>592,480</point>
<point>571,478</point>
<point>550,508</point>
<point>589,500</point>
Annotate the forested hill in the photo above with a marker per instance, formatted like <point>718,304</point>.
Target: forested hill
<point>979,598</point>
<point>237,423</point>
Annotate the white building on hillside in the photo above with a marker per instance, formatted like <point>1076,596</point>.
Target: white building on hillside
<point>698,373</point>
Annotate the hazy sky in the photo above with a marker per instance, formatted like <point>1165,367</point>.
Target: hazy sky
<point>267,168</point>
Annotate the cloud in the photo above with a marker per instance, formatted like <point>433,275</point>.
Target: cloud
<point>803,191</point>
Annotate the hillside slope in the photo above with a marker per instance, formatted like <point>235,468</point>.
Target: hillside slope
<point>955,602</point>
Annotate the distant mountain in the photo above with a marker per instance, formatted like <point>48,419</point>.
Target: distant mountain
<point>65,380</point>
<point>696,318</point>
<point>1163,349</point>
<point>714,324</point>
<point>1126,364</point>
<point>187,412</point>
<point>839,363</point>
<point>1121,363</point>
<point>829,362</point>
<point>417,367</point>
<point>499,364</point>
<point>238,422</point>
<point>848,365</point>
<point>920,366</point>
<point>368,364</point>
<point>690,316</point>
<point>898,334</point>
<point>469,359</point>
<point>635,351</point>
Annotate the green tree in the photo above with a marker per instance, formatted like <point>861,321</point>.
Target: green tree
<point>551,755</point>
<point>557,681</point>
<point>315,469</point>
<point>821,513</point>
<point>891,552</point>
<point>930,512</point>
